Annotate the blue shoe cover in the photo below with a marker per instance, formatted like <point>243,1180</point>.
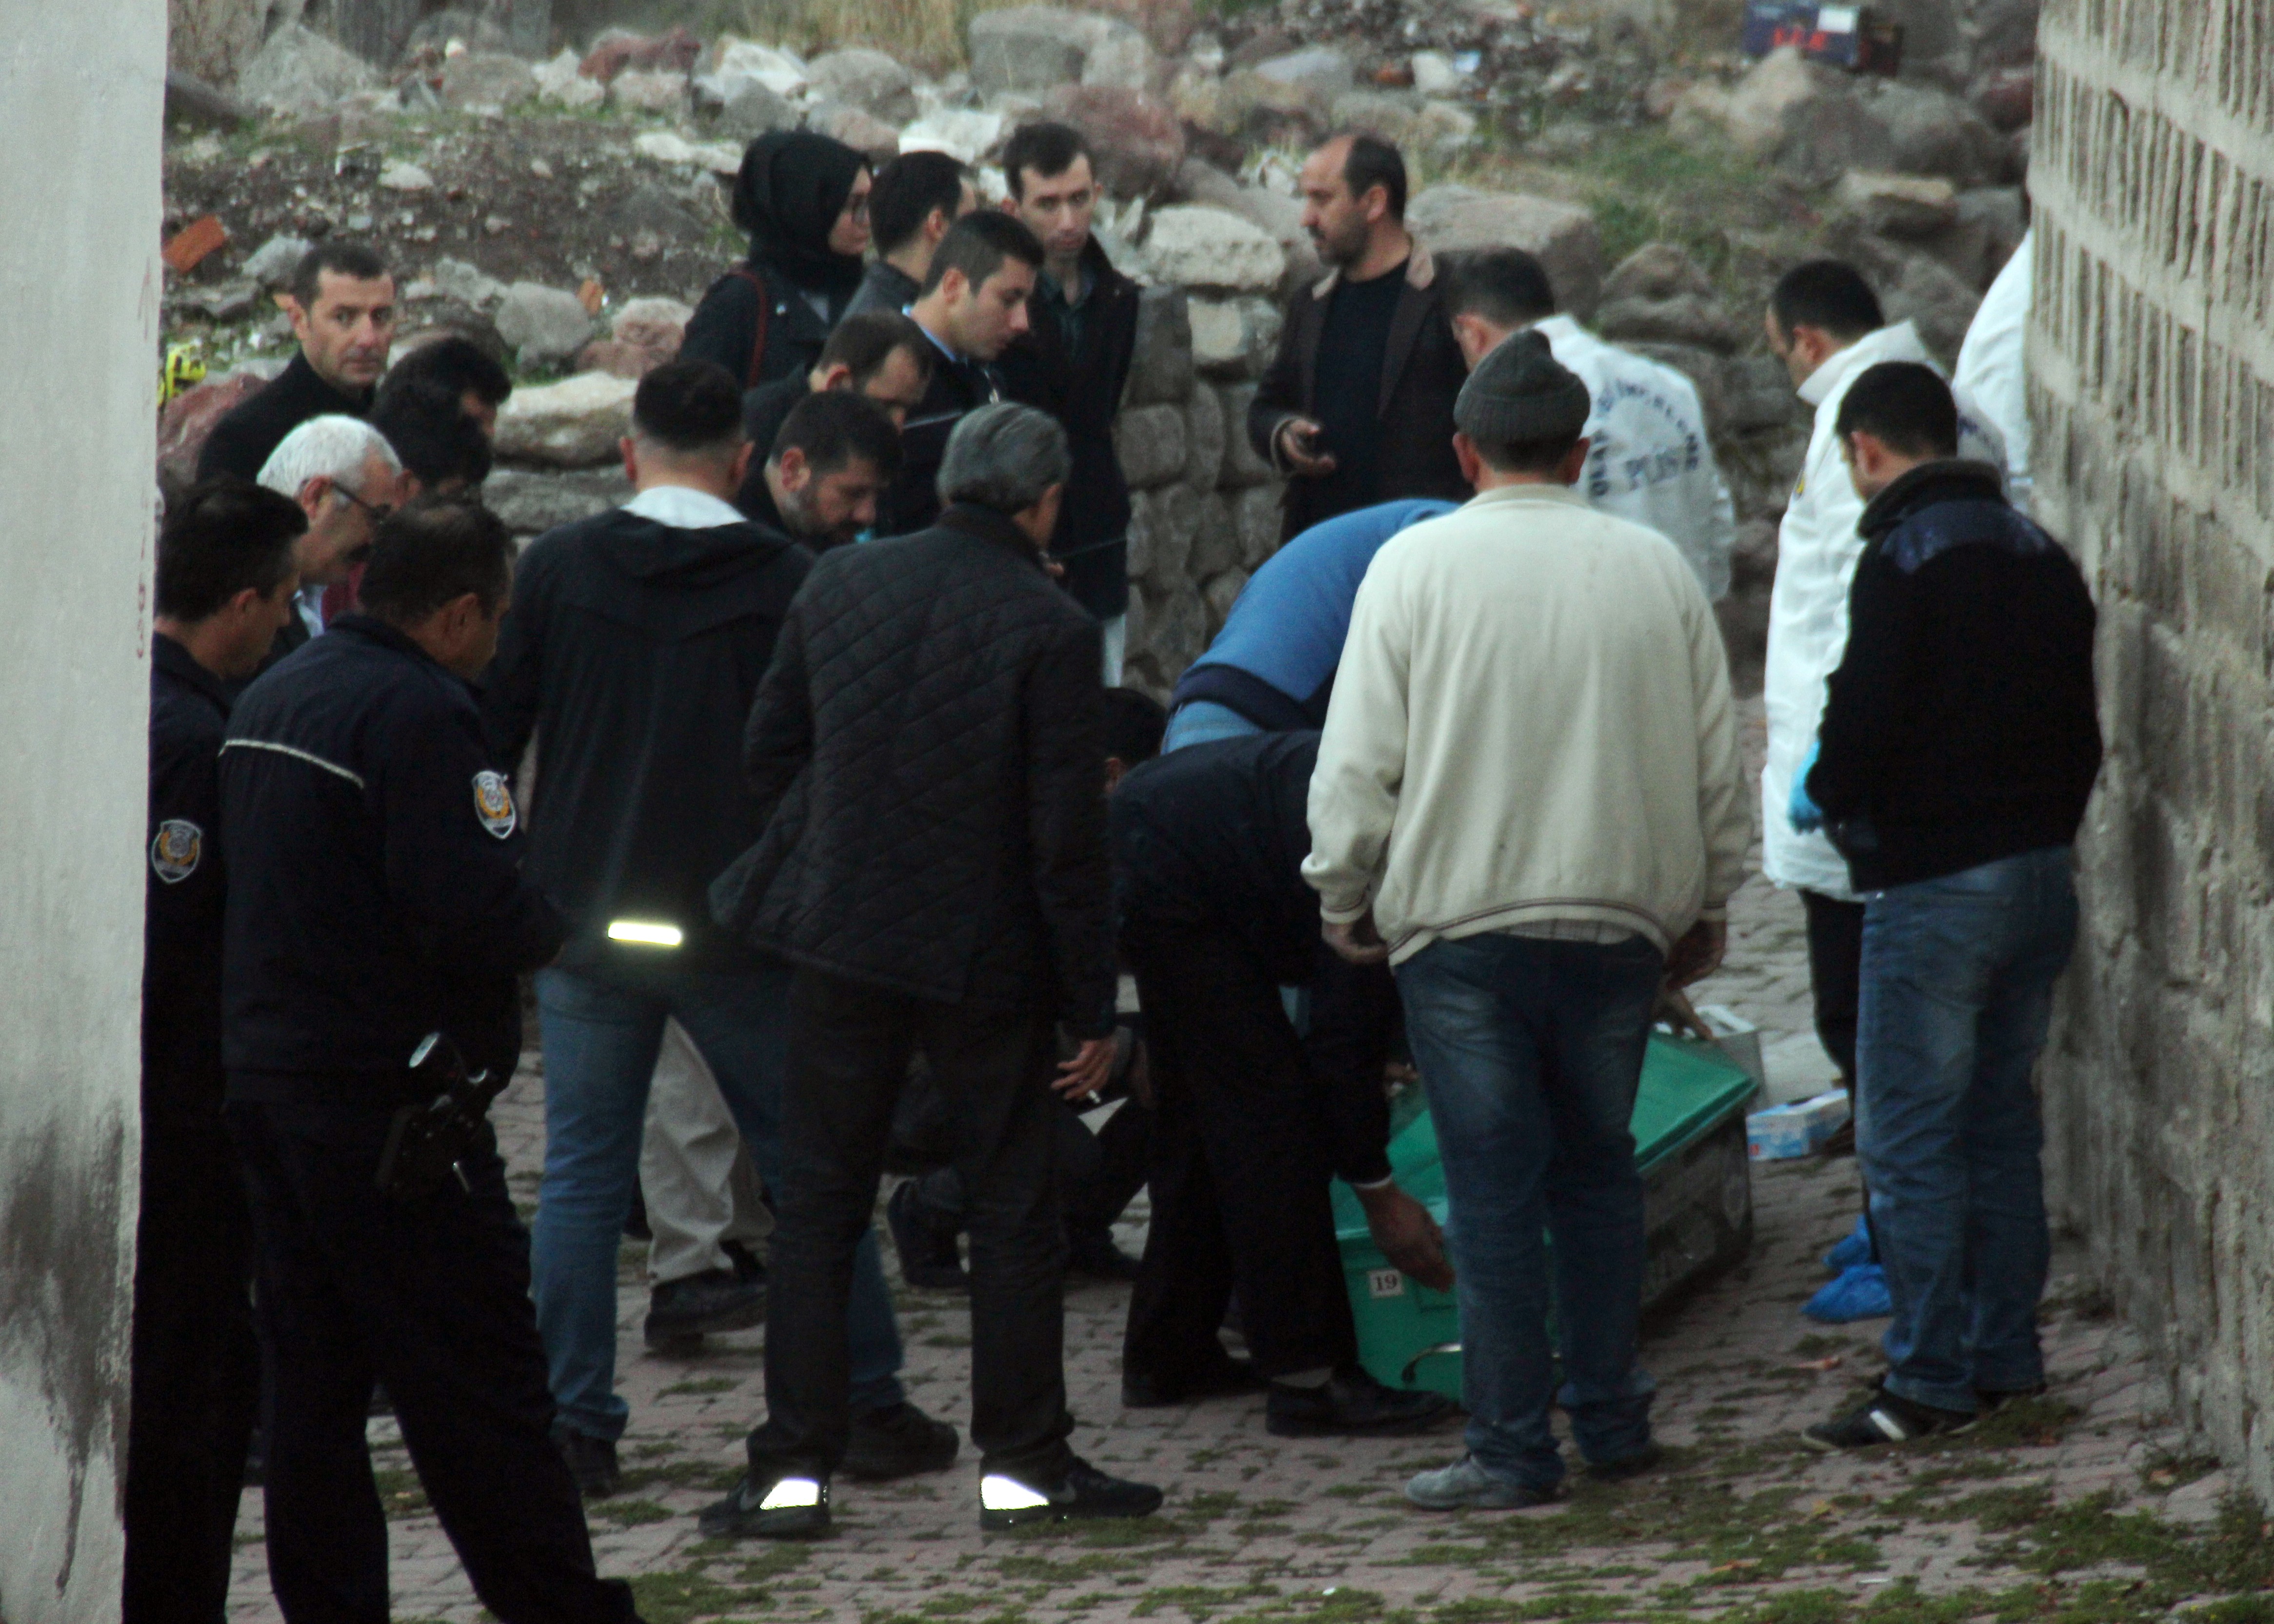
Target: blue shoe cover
<point>1860,1293</point>
<point>1854,1247</point>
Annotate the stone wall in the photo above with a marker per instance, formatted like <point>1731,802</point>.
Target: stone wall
<point>2152,391</point>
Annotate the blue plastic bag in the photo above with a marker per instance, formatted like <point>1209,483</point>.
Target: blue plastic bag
<point>1860,1293</point>
<point>1854,1247</point>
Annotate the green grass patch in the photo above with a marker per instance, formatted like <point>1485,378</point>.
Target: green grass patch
<point>698,1387</point>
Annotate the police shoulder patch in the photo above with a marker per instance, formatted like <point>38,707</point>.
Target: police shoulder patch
<point>493,803</point>
<point>175,849</point>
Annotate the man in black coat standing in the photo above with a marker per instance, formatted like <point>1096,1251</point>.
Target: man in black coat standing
<point>225,585</point>
<point>1358,406</point>
<point>342,306</point>
<point>927,750</point>
<point>1074,363</point>
<point>634,652</point>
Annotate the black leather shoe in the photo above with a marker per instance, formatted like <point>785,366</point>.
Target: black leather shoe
<point>746,1263</point>
<point>1627,1465</point>
<point>592,1462</point>
<point>769,1508</point>
<point>1232,1378</point>
<point>684,1311</point>
<point>1352,1404</point>
<point>1092,1252</point>
<point>899,1442</point>
<point>1084,1492</point>
<point>929,1260</point>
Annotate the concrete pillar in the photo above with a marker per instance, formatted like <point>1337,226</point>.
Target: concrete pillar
<point>78,312</point>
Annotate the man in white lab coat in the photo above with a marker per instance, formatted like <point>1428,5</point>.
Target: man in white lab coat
<point>1824,324</point>
<point>1649,460</point>
<point>1990,364</point>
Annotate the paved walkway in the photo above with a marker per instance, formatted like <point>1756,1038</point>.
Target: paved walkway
<point>2080,1508</point>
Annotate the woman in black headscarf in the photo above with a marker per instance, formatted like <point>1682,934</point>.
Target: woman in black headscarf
<point>804,200</point>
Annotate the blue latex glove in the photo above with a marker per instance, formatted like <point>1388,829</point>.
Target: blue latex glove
<point>1799,811</point>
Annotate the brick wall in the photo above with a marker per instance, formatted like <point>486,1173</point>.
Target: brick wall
<point>2152,363</point>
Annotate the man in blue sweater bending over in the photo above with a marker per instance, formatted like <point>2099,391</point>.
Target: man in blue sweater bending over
<point>1272,667</point>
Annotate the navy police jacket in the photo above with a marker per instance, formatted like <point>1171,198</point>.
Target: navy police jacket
<point>375,884</point>
<point>182,911</point>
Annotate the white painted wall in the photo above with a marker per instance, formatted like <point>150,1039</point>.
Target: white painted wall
<point>81,90</point>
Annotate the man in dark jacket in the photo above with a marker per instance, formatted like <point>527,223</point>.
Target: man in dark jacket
<point>974,306</point>
<point>634,652</point>
<point>342,306</point>
<point>918,197</point>
<point>1958,749</point>
<point>926,751</point>
<point>375,896</point>
<point>829,464</point>
<point>1074,363</point>
<point>1208,844</point>
<point>225,584</point>
<point>1358,406</point>
<point>881,356</point>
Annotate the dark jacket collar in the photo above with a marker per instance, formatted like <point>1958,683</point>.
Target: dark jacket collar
<point>1947,479</point>
<point>371,629</point>
<point>302,379</point>
<point>176,662</point>
<point>989,525</point>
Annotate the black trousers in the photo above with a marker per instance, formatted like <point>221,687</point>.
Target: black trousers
<point>850,1047</point>
<point>1243,1155</point>
<point>1835,974</point>
<point>196,1374</point>
<point>432,1299</point>
<point>1099,1173</point>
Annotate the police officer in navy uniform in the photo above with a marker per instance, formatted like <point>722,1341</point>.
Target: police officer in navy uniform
<point>376,895</point>
<point>225,586</point>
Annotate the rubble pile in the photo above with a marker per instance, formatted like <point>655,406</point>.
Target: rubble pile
<point>568,209</point>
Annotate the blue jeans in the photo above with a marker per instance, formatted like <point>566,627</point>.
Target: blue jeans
<point>1958,982</point>
<point>601,1037</point>
<point>1203,721</point>
<point>1532,1051</point>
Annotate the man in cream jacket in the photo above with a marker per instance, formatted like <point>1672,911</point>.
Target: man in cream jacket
<point>1529,799</point>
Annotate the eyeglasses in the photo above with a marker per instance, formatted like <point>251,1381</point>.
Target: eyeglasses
<point>378,513</point>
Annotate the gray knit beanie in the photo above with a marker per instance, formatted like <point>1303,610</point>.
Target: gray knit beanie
<point>1519,394</point>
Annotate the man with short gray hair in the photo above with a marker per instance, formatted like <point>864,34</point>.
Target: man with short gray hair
<point>346,478</point>
<point>927,757</point>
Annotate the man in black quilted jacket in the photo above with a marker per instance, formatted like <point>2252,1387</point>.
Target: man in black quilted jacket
<point>927,751</point>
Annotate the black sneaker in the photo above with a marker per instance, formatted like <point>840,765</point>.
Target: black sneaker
<point>1352,1404</point>
<point>1230,1379</point>
<point>929,1259</point>
<point>774,1507</point>
<point>1006,1501</point>
<point>592,1462</point>
<point>1092,1252</point>
<point>1884,1419</point>
<point>1627,1465</point>
<point>680,1312</point>
<point>899,1442</point>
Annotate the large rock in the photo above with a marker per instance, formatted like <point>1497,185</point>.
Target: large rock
<point>273,263</point>
<point>1911,206</point>
<point>1167,24</point>
<point>654,213</point>
<point>1216,543</point>
<point>649,90</point>
<point>192,104</point>
<point>1658,294</point>
<point>1260,511</point>
<point>1162,525</point>
<point>619,49</point>
<point>546,326</point>
<point>1277,214</point>
<point>1563,236</point>
<point>743,107</point>
<point>718,157</point>
<point>1148,442</point>
<point>864,132</point>
<point>1134,136</point>
<point>1933,133</point>
<point>455,279</point>
<point>1320,69</point>
<point>964,133</point>
<point>1161,356</point>
<point>300,70</point>
<point>1247,108</point>
<point>190,416</point>
<point>776,70</point>
<point>531,502</point>
<point>1195,245</point>
<point>868,80</point>
<point>654,324</point>
<point>1032,50</point>
<point>1242,468</point>
<point>1204,434</point>
<point>1218,593</point>
<point>1235,338</point>
<point>1167,628</point>
<point>573,423</point>
<point>487,81</point>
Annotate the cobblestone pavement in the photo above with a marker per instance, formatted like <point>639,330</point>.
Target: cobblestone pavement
<point>2082,1508</point>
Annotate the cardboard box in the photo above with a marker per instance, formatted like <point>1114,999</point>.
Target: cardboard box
<point>1855,37</point>
<point>1785,1131</point>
